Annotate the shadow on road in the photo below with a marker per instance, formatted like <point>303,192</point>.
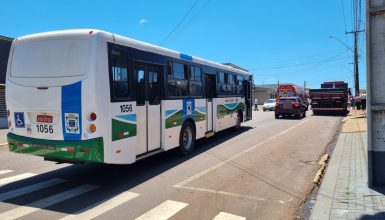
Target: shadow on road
<point>378,216</point>
<point>111,179</point>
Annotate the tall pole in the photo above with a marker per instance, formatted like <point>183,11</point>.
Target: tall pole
<point>356,75</point>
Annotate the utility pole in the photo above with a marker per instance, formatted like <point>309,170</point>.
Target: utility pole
<point>355,61</point>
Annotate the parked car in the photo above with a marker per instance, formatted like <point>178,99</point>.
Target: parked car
<point>269,105</point>
<point>290,106</point>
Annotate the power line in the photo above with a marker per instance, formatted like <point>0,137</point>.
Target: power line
<point>179,23</point>
<point>295,59</point>
<point>183,28</point>
<point>290,66</point>
<point>307,67</point>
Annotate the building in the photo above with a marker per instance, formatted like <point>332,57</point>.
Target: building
<point>264,92</point>
<point>5,46</point>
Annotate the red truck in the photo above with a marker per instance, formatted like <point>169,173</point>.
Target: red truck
<point>333,97</point>
<point>291,90</point>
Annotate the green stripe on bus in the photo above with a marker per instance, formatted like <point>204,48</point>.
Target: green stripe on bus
<point>175,120</point>
<point>223,110</point>
<point>121,130</point>
<point>77,151</point>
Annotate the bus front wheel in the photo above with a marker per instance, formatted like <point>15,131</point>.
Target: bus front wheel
<point>187,138</point>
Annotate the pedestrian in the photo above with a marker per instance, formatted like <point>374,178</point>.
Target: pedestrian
<point>363,101</point>
<point>255,104</point>
<point>352,102</point>
<point>358,102</point>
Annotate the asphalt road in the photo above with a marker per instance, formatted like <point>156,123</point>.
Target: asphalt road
<point>263,171</point>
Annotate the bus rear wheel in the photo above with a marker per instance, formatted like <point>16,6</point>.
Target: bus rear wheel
<point>187,138</point>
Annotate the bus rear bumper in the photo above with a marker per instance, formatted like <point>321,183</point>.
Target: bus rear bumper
<point>75,151</point>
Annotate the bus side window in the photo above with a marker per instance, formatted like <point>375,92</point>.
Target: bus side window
<point>119,75</point>
<point>239,85</point>
<point>221,84</point>
<point>196,82</point>
<point>177,81</point>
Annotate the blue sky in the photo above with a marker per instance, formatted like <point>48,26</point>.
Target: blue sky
<point>285,40</point>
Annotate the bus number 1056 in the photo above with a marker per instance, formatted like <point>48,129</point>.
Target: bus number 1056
<point>44,128</point>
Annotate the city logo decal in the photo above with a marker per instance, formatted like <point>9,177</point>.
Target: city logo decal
<point>188,107</point>
<point>72,123</point>
<point>19,120</point>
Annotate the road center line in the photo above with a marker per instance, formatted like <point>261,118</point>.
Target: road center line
<point>209,169</point>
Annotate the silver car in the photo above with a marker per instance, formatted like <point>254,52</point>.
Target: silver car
<point>269,105</point>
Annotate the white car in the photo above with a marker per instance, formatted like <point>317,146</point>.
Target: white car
<point>269,105</point>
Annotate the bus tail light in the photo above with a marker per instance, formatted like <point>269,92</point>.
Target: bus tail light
<point>295,104</point>
<point>8,113</point>
<point>92,128</point>
<point>70,149</point>
<point>277,104</point>
<point>92,116</point>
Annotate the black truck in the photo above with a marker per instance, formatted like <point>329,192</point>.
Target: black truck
<point>333,97</point>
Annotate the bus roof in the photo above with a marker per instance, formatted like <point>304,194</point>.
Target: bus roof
<point>110,37</point>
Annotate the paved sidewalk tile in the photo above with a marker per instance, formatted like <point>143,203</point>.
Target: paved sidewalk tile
<point>344,192</point>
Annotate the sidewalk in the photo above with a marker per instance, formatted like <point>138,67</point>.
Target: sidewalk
<point>344,192</point>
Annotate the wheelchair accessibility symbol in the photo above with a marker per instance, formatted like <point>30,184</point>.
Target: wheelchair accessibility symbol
<point>19,120</point>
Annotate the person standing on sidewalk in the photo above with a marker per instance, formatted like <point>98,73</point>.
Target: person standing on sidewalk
<point>358,102</point>
<point>352,102</point>
<point>255,104</point>
<point>363,101</point>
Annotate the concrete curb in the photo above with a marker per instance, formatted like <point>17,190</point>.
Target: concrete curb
<point>3,144</point>
<point>324,201</point>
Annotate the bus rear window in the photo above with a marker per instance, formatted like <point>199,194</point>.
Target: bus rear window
<point>51,59</point>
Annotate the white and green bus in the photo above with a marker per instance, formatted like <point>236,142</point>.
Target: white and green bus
<point>92,96</point>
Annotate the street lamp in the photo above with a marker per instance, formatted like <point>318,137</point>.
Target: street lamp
<point>355,59</point>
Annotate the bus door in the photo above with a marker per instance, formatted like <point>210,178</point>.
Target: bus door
<point>148,89</point>
<point>248,99</point>
<point>210,87</point>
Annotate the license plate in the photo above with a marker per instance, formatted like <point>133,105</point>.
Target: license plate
<point>44,118</point>
<point>287,105</point>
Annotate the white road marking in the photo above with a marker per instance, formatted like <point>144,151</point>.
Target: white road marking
<point>48,201</point>
<point>16,178</point>
<point>5,171</point>
<point>29,189</point>
<point>102,206</point>
<point>163,211</point>
<point>228,216</point>
<point>224,193</point>
<point>209,169</point>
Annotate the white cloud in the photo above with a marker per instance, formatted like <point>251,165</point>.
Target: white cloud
<point>143,21</point>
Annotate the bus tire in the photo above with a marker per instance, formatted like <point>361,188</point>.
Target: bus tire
<point>187,138</point>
